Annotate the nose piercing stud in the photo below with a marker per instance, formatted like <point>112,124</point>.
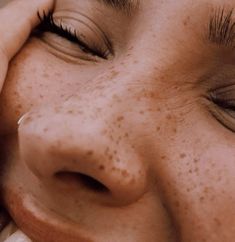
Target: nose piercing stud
<point>21,119</point>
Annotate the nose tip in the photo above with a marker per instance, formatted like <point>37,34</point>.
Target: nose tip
<point>84,162</point>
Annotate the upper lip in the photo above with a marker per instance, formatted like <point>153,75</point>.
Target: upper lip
<point>40,223</point>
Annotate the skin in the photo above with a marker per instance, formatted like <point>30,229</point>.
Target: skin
<point>160,165</point>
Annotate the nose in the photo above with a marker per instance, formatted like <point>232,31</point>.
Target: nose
<point>68,149</point>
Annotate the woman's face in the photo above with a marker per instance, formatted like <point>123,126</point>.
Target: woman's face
<point>127,128</point>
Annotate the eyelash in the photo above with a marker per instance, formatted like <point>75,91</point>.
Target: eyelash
<point>48,24</point>
<point>222,103</point>
<point>222,27</point>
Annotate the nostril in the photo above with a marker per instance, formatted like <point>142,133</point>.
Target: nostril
<point>83,179</point>
<point>92,183</point>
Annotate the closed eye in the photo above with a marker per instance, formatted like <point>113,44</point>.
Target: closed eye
<point>48,24</point>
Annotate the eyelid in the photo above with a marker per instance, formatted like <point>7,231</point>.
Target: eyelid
<point>84,19</point>
<point>72,35</point>
<point>66,30</point>
<point>78,20</point>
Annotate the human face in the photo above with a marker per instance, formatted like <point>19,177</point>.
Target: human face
<point>129,137</point>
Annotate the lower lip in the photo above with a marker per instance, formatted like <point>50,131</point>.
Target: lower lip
<point>42,224</point>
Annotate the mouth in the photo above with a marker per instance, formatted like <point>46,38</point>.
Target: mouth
<point>41,224</point>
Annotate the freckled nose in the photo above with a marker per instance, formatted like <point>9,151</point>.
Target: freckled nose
<point>70,151</point>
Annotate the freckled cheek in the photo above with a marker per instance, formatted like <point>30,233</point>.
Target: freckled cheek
<point>33,80</point>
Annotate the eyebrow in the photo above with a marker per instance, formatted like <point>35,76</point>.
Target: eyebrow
<point>222,28</point>
<point>126,6</point>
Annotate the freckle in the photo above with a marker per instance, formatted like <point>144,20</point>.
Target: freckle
<point>141,112</point>
<point>45,75</point>
<point>186,207</point>
<point>19,106</point>
<point>202,199</point>
<point>177,204</point>
<point>125,173</point>
<point>217,221</point>
<point>186,21</point>
<point>195,160</point>
<point>70,112</point>
<point>213,165</point>
<point>163,157</point>
<point>104,132</point>
<point>45,130</point>
<point>154,35</point>
<point>98,110</point>
<point>120,118</point>
<point>118,160</point>
<point>169,117</point>
<point>111,137</point>
<point>90,152</point>
<point>219,178</point>
<point>126,135</point>
<point>110,157</point>
<point>114,74</point>
<point>101,167</point>
<point>56,109</point>
<point>182,155</point>
<point>206,190</point>
<point>158,128</point>
<point>152,94</point>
